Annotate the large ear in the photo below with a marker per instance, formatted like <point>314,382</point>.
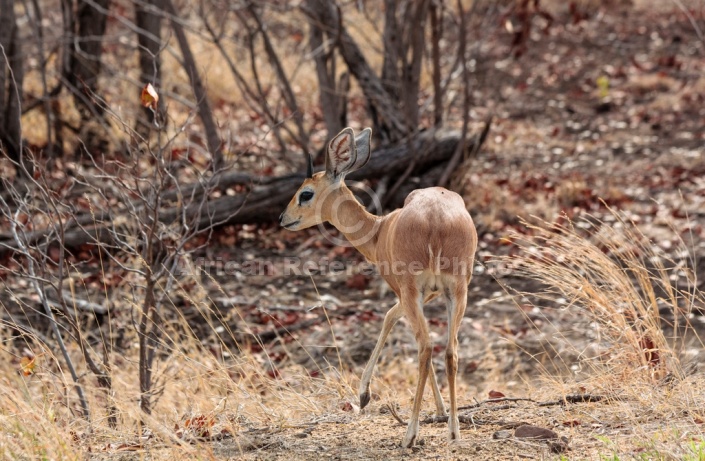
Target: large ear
<point>341,155</point>
<point>362,147</point>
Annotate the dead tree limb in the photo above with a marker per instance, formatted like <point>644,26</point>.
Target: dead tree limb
<point>199,90</point>
<point>263,201</point>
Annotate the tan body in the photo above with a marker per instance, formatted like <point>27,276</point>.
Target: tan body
<point>421,250</point>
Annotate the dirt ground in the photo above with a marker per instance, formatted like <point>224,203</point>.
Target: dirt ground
<point>584,432</point>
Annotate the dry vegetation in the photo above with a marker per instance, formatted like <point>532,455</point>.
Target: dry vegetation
<point>571,297</point>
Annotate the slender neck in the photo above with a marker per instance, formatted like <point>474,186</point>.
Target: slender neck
<point>352,220</point>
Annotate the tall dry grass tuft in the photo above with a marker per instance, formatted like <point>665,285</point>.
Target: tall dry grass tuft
<point>217,387</point>
<point>636,300</point>
<point>614,313</point>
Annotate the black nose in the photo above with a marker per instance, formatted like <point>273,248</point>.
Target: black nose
<point>280,218</point>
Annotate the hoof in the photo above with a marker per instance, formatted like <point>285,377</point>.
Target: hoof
<point>453,429</point>
<point>412,436</point>
<point>364,399</point>
<point>408,443</point>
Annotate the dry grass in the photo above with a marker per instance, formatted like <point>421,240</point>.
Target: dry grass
<point>634,303</point>
<point>638,299</point>
<point>232,390</point>
<point>607,273</point>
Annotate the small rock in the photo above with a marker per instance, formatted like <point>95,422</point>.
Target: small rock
<point>534,432</point>
<point>502,434</point>
<point>559,446</point>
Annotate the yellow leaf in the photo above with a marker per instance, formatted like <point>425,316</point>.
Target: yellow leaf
<point>603,86</point>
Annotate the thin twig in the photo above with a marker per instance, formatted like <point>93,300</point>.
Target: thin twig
<point>573,398</point>
<point>455,159</point>
<point>501,399</point>
<point>287,92</point>
<point>469,417</point>
<point>690,17</point>
<point>395,415</point>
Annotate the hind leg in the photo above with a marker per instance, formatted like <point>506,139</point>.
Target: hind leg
<point>390,320</point>
<point>457,302</point>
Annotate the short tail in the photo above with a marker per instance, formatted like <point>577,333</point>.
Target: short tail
<point>434,262</point>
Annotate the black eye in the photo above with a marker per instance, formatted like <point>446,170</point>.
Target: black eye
<point>305,196</point>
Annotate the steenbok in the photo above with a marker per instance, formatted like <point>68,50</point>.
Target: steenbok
<point>422,250</point>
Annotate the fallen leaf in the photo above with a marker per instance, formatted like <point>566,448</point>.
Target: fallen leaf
<point>349,406</point>
<point>27,365</point>
<point>357,282</point>
<point>651,352</point>
<point>496,395</point>
<point>471,367</point>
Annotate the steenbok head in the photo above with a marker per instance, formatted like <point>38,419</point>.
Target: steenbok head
<point>315,201</point>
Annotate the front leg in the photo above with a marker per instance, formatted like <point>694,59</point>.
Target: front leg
<point>390,319</point>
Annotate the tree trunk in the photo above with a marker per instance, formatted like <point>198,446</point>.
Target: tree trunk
<point>11,78</point>
<point>149,23</point>
<point>390,37</point>
<point>436,34</point>
<point>85,56</point>
<point>146,356</point>
<point>325,70</point>
<point>412,70</point>
<point>391,122</point>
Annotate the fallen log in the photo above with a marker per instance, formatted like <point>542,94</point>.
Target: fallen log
<point>265,203</point>
<point>265,199</point>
